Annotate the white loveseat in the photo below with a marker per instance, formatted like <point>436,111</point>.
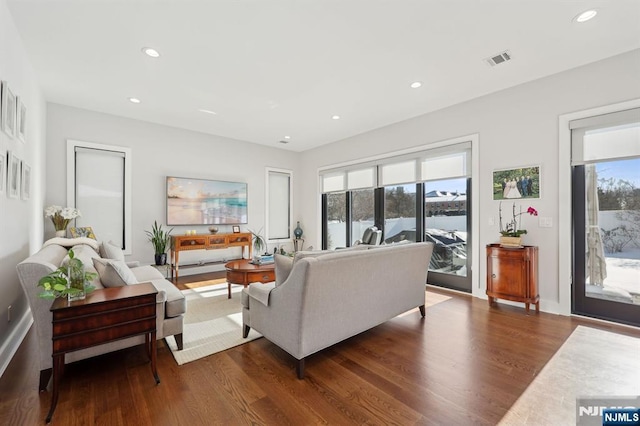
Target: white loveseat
<point>170,306</point>
<point>328,297</point>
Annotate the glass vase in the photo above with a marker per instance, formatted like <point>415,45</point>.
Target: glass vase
<point>76,280</point>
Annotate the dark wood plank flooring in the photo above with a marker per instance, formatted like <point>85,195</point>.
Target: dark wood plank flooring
<point>464,364</point>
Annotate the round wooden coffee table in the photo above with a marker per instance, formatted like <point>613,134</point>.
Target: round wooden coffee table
<point>242,272</point>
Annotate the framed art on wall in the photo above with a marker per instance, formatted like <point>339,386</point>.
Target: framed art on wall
<point>13,178</point>
<point>521,182</point>
<point>26,181</point>
<point>3,172</point>
<point>21,119</point>
<point>8,118</point>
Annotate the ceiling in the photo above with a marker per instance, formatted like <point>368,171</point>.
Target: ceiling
<point>276,68</point>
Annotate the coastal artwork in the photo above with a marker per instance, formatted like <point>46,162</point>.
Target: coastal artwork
<point>523,182</point>
<point>205,202</point>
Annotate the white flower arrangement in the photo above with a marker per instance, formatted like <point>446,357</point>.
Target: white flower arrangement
<point>61,216</point>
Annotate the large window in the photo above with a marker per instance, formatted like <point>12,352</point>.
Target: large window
<point>99,185</point>
<point>420,196</point>
<point>279,205</point>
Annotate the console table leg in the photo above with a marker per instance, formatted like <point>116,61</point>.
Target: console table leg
<point>58,362</point>
<point>153,357</point>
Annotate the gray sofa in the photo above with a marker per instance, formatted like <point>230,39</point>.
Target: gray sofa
<point>170,306</point>
<point>322,298</point>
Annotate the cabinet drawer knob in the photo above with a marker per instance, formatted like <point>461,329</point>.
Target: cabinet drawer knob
<point>493,275</point>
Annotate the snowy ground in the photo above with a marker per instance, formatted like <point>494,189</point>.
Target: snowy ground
<point>623,273</point>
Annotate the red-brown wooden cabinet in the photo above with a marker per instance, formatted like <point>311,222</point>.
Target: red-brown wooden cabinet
<point>512,274</point>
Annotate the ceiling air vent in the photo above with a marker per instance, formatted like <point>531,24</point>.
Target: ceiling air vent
<point>499,58</point>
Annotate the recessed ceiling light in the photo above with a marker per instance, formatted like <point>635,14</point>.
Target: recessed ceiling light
<point>416,84</point>
<point>150,51</point>
<point>335,117</point>
<point>586,15</point>
<point>207,111</point>
<point>134,100</point>
<point>287,137</point>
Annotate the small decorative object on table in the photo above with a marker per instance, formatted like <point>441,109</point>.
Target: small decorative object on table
<point>512,231</point>
<point>213,229</point>
<point>61,217</point>
<point>86,231</point>
<point>298,231</point>
<point>69,281</point>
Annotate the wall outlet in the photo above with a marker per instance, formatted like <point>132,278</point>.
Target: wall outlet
<point>545,222</point>
<point>9,314</point>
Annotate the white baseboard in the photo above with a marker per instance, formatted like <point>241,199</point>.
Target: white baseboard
<point>11,345</point>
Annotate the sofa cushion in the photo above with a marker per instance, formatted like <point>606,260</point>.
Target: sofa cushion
<point>146,273</point>
<point>176,303</point>
<point>283,265</point>
<point>114,273</point>
<point>110,250</point>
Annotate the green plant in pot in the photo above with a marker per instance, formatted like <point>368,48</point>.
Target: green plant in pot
<point>259,243</point>
<point>160,240</point>
<point>70,281</point>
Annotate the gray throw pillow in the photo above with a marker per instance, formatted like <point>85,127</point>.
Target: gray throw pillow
<point>110,250</point>
<point>283,265</point>
<point>114,273</point>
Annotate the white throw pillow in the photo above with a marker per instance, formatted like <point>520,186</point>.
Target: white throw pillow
<point>110,250</point>
<point>114,273</point>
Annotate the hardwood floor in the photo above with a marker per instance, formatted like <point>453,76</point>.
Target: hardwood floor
<point>465,363</point>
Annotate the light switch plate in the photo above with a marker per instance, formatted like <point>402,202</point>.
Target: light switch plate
<point>545,222</point>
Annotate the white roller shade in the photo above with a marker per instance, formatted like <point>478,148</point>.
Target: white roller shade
<point>279,205</point>
<point>360,179</point>
<point>605,137</point>
<point>445,167</point>
<point>397,173</point>
<point>333,182</point>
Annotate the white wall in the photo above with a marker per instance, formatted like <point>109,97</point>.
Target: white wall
<point>20,220</point>
<point>159,151</point>
<point>516,127</point>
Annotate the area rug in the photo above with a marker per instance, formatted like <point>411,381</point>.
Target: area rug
<point>213,323</point>
<point>591,363</point>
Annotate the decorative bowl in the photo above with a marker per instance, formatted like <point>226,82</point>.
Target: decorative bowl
<point>213,229</point>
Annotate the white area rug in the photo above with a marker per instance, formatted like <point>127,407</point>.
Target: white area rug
<point>213,323</point>
<point>590,363</point>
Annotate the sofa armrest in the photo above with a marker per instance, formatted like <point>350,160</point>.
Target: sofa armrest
<point>260,292</point>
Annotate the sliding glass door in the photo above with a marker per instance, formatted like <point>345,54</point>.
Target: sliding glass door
<point>606,218</point>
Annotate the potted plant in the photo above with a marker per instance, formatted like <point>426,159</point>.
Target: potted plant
<point>69,281</point>
<point>160,240</point>
<point>511,233</point>
<point>259,243</point>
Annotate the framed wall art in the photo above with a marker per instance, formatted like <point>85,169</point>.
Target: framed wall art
<point>8,119</point>
<point>21,119</point>
<point>25,184</point>
<point>513,184</point>
<point>13,178</point>
<point>3,172</point>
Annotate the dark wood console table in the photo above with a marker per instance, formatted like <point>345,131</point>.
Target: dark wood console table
<point>103,316</point>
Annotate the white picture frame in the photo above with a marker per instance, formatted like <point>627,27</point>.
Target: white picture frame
<point>25,181</point>
<point>21,119</point>
<point>13,177</point>
<point>3,172</point>
<point>8,119</point>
